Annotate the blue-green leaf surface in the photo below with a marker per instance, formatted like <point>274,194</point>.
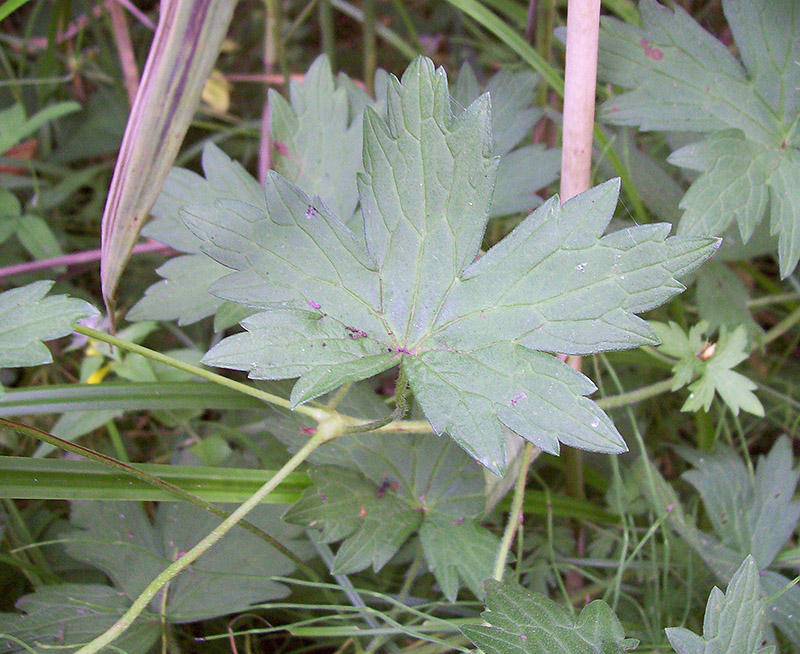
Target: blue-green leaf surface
<point>118,538</point>
<point>27,318</point>
<point>470,334</point>
<point>681,78</point>
<point>374,491</point>
<point>752,516</point>
<point>734,621</point>
<point>525,622</point>
<point>64,617</point>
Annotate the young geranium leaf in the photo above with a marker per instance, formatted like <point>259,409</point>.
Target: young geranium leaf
<point>118,538</point>
<point>752,516</point>
<point>27,318</point>
<point>734,621</point>
<point>524,622</point>
<point>713,363</point>
<point>466,332</point>
<point>66,616</point>
<point>683,79</point>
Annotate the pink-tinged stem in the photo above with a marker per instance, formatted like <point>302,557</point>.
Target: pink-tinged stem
<point>127,58</point>
<point>580,80</point>
<point>77,258</point>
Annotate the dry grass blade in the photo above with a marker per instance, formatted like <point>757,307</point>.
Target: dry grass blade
<point>184,50</point>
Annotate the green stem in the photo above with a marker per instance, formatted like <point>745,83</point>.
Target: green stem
<point>325,15</point>
<point>515,513</point>
<point>632,397</point>
<point>318,414</point>
<point>782,327</point>
<point>328,430</point>
<point>152,480</point>
<point>370,54</point>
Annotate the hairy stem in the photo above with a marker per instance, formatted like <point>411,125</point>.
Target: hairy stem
<point>316,413</point>
<point>328,430</point>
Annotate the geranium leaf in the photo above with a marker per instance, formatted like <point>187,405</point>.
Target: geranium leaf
<point>681,78</point>
<point>70,615</point>
<point>411,292</point>
<point>317,139</point>
<point>755,516</point>
<point>524,622</point>
<point>27,318</point>
<point>734,621</point>
<point>374,491</point>
<point>118,538</point>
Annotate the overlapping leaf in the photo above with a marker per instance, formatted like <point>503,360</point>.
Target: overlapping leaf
<point>755,516</point>
<point>522,171</point>
<point>375,491</point>
<point>466,332</point>
<point>118,538</point>
<point>183,294</point>
<point>683,79</point>
<point>752,517</point>
<point>734,621</point>
<point>66,616</point>
<point>524,622</point>
<point>27,318</point>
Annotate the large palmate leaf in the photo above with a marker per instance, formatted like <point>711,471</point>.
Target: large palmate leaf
<point>118,538</point>
<point>27,318</point>
<point>734,621</point>
<point>682,79</point>
<point>470,335</point>
<point>524,622</point>
<point>66,616</point>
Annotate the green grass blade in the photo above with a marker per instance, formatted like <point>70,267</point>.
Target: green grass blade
<point>59,479</point>
<point>146,396</point>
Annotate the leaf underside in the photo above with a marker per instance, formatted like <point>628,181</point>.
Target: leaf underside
<point>374,491</point>
<point>27,318</point>
<point>681,78</point>
<point>524,622</point>
<point>470,334</point>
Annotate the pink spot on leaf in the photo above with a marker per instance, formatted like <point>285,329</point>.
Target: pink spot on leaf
<point>309,431</point>
<point>517,398</point>
<point>313,304</point>
<point>656,54</point>
<point>281,148</point>
<point>457,522</point>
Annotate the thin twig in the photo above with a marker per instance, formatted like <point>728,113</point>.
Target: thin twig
<point>76,258</point>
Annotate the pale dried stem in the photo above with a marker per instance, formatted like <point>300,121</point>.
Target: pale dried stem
<point>127,58</point>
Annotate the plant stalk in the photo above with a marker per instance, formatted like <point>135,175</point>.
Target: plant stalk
<point>317,413</point>
<point>529,453</point>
